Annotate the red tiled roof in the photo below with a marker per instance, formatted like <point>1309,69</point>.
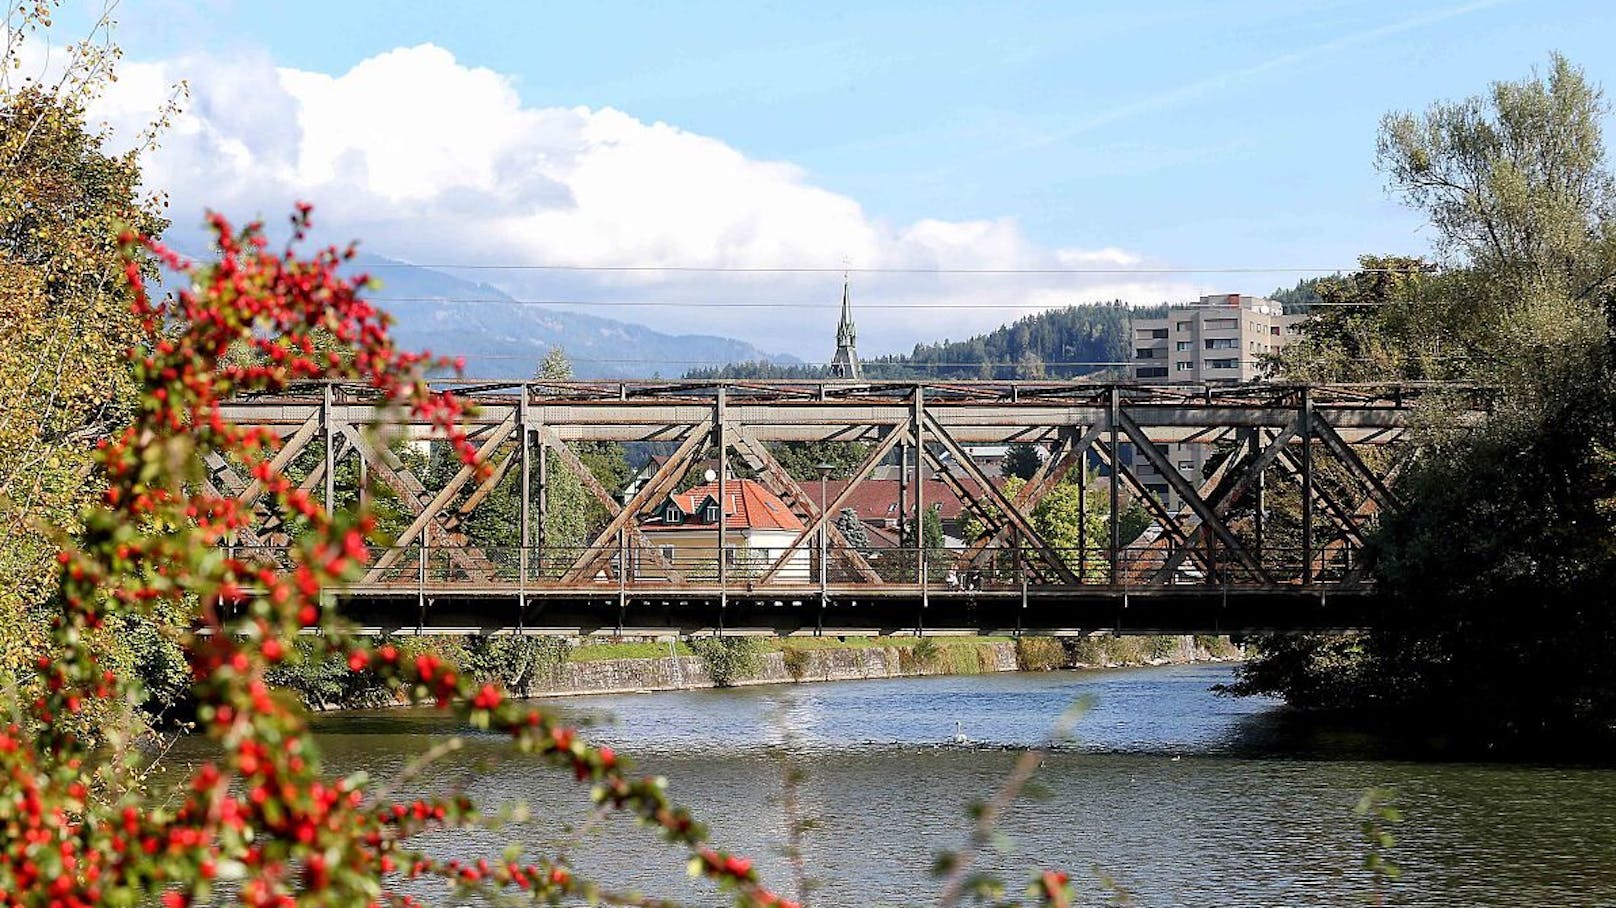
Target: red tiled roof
<point>877,499</point>
<point>750,507</point>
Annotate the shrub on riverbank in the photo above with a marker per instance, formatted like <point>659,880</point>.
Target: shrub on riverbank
<point>1039,654</point>
<point>795,661</point>
<point>730,659</point>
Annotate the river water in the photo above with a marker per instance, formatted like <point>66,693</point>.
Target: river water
<point>1178,796</point>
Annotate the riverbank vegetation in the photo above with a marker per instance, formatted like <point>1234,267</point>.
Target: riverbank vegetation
<point>1499,570</point>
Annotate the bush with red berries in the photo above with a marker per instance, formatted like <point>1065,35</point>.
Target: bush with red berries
<point>77,827</point>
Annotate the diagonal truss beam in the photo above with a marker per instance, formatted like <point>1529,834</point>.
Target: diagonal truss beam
<point>1006,506</point>
<point>1338,446</point>
<point>434,509</point>
<point>1178,537</point>
<point>777,480</point>
<point>1212,489</point>
<point>1224,499</point>
<point>977,503</point>
<point>1339,515</point>
<point>659,486</point>
<point>1050,474</point>
<point>877,454</point>
<point>1188,494</point>
<point>575,465</point>
<point>293,447</point>
<point>409,492</point>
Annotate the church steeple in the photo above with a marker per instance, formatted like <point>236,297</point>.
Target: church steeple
<point>845,362</point>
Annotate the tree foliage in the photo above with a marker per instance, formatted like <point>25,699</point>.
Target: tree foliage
<point>63,200</point>
<point>1501,563</point>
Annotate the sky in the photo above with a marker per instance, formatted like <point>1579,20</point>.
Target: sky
<point>1176,146</point>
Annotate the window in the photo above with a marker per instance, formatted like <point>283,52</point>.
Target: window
<point>673,514</point>
<point>1274,331</point>
<point>667,553</point>
<point>1160,491</point>
<point>1184,466</point>
<point>1145,353</point>
<point>710,513</point>
<point>1152,372</point>
<point>730,553</point>
<point>1223,364</point>
<point>1222,343</point>
<point>1183,365</point>
<point>1152,333</point>
<point>1181,346</point>
<point>1184,326</point>
<point>1214,324</point>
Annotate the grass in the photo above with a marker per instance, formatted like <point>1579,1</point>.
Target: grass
<point>813,643</point>
<point>597,652</point>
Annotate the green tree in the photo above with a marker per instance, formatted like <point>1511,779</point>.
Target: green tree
<point>574,515</point>
<point>1502,555</point>
<point>63,202</point>
<point>1021,461</point>
<point>853,529</point>
<point>802,459</point>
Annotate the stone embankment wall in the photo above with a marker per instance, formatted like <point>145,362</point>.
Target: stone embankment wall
<point>606,676</point>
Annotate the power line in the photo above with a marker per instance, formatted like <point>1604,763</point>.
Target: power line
<point>877,363</point>
<point>729,269</point>
<point>868,269</point>
<point>760,304</point>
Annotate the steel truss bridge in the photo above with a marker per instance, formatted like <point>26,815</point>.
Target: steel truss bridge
<point>1217,556</point>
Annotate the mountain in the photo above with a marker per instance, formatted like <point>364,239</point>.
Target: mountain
<point>1054,344</point>
<point>502,338</point>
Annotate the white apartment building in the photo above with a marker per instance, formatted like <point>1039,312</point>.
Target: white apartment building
<point>1223,338</point>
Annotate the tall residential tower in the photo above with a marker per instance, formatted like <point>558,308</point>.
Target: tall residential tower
<point>1222,339</point>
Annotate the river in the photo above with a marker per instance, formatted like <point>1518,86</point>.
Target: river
<point>1178,796</point>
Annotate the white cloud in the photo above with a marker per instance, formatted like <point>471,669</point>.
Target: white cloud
<point>433,161</point>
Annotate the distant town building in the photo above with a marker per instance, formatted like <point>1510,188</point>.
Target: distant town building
<point>1223,338</point>
<point>758,528</point>
<point>844,363</point>
<point>876,503</point>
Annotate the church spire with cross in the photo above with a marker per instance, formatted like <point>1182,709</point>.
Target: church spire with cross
<point>845,362</point>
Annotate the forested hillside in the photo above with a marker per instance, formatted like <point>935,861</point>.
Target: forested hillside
<point>1055,344</point>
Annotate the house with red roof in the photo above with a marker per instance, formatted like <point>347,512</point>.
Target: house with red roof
<point>876,503</point>
<point>758,529</point>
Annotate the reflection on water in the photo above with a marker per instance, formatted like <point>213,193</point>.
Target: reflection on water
<point>1182,797</point>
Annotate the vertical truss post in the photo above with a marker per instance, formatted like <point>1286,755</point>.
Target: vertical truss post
<point>1113,420</point>
<point>721,436</point>
<point>903,495</point>
<point>1254,440</point>
<point>920,491</point>
<point>1083,516</point>
<point>541,510</point>
<point>524,436</point>
<point>1307,487</point>
<point>328,439</point>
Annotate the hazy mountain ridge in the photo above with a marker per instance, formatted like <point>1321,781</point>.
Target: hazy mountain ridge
<point>503,338</point>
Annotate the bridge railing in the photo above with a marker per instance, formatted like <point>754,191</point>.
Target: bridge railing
<point>759,568</point>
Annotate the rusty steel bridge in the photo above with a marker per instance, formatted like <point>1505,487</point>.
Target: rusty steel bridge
<point>1214,558</point>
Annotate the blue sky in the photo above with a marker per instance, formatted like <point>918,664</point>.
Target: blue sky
<point>1208,134</point>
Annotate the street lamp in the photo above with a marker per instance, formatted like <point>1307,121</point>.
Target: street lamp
<point>824,530</point>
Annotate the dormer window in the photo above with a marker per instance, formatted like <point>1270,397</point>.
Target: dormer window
<point>672,514</point>
<point>710,513</point>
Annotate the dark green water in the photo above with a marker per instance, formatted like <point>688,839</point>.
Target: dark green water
<point>1181,797</point>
